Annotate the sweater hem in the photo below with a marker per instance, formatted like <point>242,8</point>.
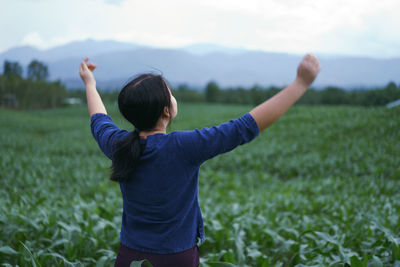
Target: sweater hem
<point>160,252</point>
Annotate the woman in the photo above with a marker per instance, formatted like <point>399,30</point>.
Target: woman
<point>158,172</point>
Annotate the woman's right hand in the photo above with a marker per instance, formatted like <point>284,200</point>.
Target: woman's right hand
<point>86,72</point>
<point>308,70</point>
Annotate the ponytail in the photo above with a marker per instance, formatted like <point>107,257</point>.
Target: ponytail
<point>141,102</point>
<point>126,157</point>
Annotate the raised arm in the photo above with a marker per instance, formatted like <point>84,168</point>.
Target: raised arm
<point>94,102</point>
<point>271,110</point>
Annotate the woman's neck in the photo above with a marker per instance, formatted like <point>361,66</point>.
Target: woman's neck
<point>161,127</point>
<point>144,134</point>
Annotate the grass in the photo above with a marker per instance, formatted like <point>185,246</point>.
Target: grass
<point>319,187</point>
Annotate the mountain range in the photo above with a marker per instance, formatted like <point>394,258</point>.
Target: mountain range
<point>198,64</point>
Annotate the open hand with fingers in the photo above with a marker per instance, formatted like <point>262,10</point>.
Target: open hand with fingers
<point>86,72</point>
<point>95,104</point>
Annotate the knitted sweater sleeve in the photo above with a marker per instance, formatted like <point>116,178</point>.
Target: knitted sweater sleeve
<point>201,145</point>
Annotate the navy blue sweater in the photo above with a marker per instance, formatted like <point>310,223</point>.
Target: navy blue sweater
<point>161,212</point>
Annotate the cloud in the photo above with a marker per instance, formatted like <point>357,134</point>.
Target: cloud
<point>33,39</point>
<point>330,26</point>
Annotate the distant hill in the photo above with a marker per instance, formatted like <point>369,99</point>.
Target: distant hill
<point>198,64</point>
<point>25,54</point>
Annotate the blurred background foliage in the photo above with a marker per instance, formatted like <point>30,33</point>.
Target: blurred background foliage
<point>36,92</point>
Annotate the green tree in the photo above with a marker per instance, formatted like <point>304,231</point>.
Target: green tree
<point>334,96</point>
<point>212,92</point>
<point>185,94</point>
<point>257,94</point>
<point>391,86</point>
<point>12,69</point>
<point>311,97</point>
<point>391,93</point>
<point>32,93</point>
<point>37,71</point>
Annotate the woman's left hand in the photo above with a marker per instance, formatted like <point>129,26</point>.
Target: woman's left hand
<point>86,71</point>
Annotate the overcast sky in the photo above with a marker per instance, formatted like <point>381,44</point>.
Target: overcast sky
<point>351,27</point>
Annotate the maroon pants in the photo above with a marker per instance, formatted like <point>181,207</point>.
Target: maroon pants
<point>186,258</point>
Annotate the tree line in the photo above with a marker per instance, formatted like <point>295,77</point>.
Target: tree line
<point>32,92</point>
<point>255,95</point>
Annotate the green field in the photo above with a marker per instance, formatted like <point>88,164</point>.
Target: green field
<point>320,187</point>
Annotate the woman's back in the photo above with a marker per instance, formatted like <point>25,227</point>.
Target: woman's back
<point>161,213</point>
<point>160,205</point>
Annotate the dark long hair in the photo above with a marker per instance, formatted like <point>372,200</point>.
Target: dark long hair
<point>141,102</point>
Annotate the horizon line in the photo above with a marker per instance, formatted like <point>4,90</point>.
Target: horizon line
<point>221,46</point>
